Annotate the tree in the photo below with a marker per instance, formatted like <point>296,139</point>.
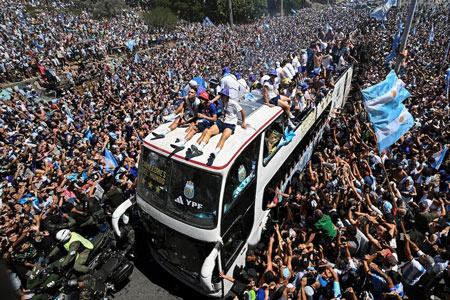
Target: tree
<point>160,17</point>
<point>107,8</point>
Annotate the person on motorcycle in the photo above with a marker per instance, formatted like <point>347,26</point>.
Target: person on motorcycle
<point>76,246</point>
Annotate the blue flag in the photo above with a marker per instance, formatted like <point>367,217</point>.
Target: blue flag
<point>395,44</point>
<point>439,157</point>
<point>447,82</point>
<point>379,13</point>
<point>137,58</point>
<point>110,161</point>
<point>207,22</point>
<point>389,117</point>
<point>431,35</point>
<point>130,44</point>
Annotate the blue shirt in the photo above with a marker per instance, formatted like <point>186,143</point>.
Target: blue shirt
<point>210,110</point>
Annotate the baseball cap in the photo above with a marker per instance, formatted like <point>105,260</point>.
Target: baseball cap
<point>226,70</point>
<point>193,83</point>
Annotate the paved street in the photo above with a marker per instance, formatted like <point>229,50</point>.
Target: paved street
<point>150,281</point>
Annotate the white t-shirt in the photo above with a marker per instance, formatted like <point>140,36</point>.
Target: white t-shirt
<point>230,112</point>
<point>296,63</point>
<point>273,88</point>
<point>229,81</point>
<point>291,69</point>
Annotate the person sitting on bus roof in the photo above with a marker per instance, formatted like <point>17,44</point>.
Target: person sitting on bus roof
<point>226,125</point>
<point>185,113</point>
<point>205,119</point>
<point>272,97</point>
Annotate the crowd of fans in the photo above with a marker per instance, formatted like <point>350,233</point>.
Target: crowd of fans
<point>357,224</point>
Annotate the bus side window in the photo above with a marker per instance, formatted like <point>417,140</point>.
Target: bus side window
<point>241,175</point>
<point>273,136</point>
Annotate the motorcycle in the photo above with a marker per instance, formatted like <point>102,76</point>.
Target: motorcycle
<point>109,268</point>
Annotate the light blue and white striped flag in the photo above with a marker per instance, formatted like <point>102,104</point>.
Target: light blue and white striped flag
<point>110,161</point>
<point>390,118</point>
<point>439,157</point>
<point>379,13</point>
<point>447,82</point>
<point>431,35</point>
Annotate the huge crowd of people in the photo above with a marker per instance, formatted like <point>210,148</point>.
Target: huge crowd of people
<point>356,224</point>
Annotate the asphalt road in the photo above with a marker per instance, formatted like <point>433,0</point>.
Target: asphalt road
<point>150,281</point>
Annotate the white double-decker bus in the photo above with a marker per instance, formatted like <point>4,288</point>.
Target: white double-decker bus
<point>200,220</point>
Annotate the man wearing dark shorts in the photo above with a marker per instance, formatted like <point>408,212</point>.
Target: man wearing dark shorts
<point>226,125</point>
<point>205,119</point>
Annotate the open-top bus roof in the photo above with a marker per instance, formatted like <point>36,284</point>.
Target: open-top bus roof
<point>259,116</point>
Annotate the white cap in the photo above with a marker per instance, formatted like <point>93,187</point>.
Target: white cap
<point>193,83</point>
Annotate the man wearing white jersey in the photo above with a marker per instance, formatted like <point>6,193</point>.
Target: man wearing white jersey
<point>230,82</point>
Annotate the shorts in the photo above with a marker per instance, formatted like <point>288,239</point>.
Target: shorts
<point>202,125</point>
<point>274,100</point>
<point>222,126</point>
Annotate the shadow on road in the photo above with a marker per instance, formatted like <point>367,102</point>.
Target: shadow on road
<point>158,276</point>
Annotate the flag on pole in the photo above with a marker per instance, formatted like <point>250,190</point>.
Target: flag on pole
<point>431,35</point>
<point>395,44</point>
<point>110,161</point>
<point>446,52</point>
<point>389,117</point>
<point>447,82</point>
<point>207,22</point>
<point>379,13</point>
<point>439,157</point>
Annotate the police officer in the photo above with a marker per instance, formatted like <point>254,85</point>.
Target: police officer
<point>77,247</point>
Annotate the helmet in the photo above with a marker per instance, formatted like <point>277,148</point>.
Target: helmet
<point>63,235</point>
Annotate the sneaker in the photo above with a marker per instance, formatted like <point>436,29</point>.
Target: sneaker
<point>158,135</point>
<point>196,151</point>
<point>188,154</point>
<point>177,145</point>
<point>291,116</point>
<point>291,125</point>
<point>211,159</point>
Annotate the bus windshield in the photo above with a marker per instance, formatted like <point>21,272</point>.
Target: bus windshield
<point>180,191</point>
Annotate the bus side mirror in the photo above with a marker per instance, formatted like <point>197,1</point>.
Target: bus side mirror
<point>208,267</point>
<point>120,210</point>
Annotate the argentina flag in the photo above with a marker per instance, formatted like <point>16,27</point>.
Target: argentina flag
<point>383,102</point>
<point>110,161</point>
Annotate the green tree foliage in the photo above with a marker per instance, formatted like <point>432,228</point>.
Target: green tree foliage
<point>216,10</point>
<point>160,17</point>
<point>101,8</point>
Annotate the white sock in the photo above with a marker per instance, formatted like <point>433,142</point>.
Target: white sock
<point>201,146</point>
<point>217,151</point>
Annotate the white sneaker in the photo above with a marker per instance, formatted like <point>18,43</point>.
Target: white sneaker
<point>291,125</point>
<point>291,116</point>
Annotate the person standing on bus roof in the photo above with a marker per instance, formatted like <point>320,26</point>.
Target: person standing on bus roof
<point>226,125</point>
<point>272,96</point>
<point>185,113</point>
<point>230,82</point>
<point>205,119</point>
